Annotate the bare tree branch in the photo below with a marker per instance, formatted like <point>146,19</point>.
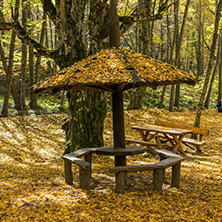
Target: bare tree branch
<point>24,36</point>
<point>127,21</point>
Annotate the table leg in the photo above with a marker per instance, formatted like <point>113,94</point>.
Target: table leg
<point>158,142</point>
<point>178,144</point>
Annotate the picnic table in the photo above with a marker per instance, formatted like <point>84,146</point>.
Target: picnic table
<point>172,135</point>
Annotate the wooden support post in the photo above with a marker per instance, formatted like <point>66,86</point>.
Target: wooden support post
<point>68,172</point>
<point>175,180</point>
<point>120,181</point>
<point>88,158</point>
<point>84,177</point>
<point>157,179</point>
<point>158,142</point>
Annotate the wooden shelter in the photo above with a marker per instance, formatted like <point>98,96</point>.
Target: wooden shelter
<point>116,70</point>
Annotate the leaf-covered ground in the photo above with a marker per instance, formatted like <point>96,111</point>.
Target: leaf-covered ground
<point>32,186</point>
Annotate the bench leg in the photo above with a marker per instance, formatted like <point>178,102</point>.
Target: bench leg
<point>84,177</point>
<point>120,181</point>
<point>175,180</point>
<point>158,179</point>
<point>68,172</point>
<point>88,158</point>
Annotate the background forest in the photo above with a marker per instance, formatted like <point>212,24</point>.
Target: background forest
<point>177,32</point>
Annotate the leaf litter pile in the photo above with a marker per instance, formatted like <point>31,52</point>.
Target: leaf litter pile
<point>32,186</point>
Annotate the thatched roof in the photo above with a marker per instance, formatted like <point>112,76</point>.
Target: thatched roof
<point>111,68</point>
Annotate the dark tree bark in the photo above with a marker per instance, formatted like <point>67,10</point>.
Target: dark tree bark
<point>10,64</point>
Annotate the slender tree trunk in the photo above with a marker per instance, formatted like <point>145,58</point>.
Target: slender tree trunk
<point>168,58</point>
<point>178,49</point>
<point>175,41</point>
<point>47,46</point>
<point>198,44</point>
<point>19,88</point>
<point>216,65</point>
<point>137,95</point>
<point>220,70</point>
<point>10,65</point>
<point>32,102</point>
<point>209,68</point>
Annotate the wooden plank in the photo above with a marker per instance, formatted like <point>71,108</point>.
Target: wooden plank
<point>193,141</point>
<point>158,179</point>
<point>168,153</point>
<point>141,142</point>
<point>158,142</point>
<point>159,165</point>
<point>79,153</point>
<point>159,129</point>
<point>84,177</point>
<point>134,168</point>
<point>175,125</point>
<point>77,161</point>
<point>175,180</point>
<point>68,172</point>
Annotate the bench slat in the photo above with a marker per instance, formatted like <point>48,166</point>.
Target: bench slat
<point>77,161</point>
<point>193,141</point>
<point>187,140</point>
<point>171,159</point>
<point>141,142</point>
<point>196,130</point>
<point>133,168</point>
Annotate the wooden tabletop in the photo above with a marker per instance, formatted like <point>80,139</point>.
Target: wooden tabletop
<point>160,129</point>
<point>129,150</point>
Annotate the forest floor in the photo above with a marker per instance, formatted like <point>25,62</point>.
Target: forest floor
<point>32,186</point>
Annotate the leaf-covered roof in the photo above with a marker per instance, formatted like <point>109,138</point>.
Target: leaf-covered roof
<point>113,67</point>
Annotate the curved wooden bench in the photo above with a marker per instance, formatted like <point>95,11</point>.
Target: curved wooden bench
<point>168,159</point>
<point>84,167</point>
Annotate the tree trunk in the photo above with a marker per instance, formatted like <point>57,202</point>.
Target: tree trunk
<point>178,48</point>
<point>9,73</point>
<point>137,95</point>
<point>198,44</point>
<point>216,65</point>
<point>20,106</point>
<point>220,71</point>
<point>85,126</point>
<point>175,42</point>
<point>209,68</point>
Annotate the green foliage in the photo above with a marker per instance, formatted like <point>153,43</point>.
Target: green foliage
<point>51,104</point>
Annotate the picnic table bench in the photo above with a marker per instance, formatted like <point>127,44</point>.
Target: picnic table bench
<point>189,142</point>
<point>85,164</point>
<point>168,159</point>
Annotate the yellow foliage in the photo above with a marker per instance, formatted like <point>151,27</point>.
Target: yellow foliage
<point>32,186</point>
<point>114,66</point>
